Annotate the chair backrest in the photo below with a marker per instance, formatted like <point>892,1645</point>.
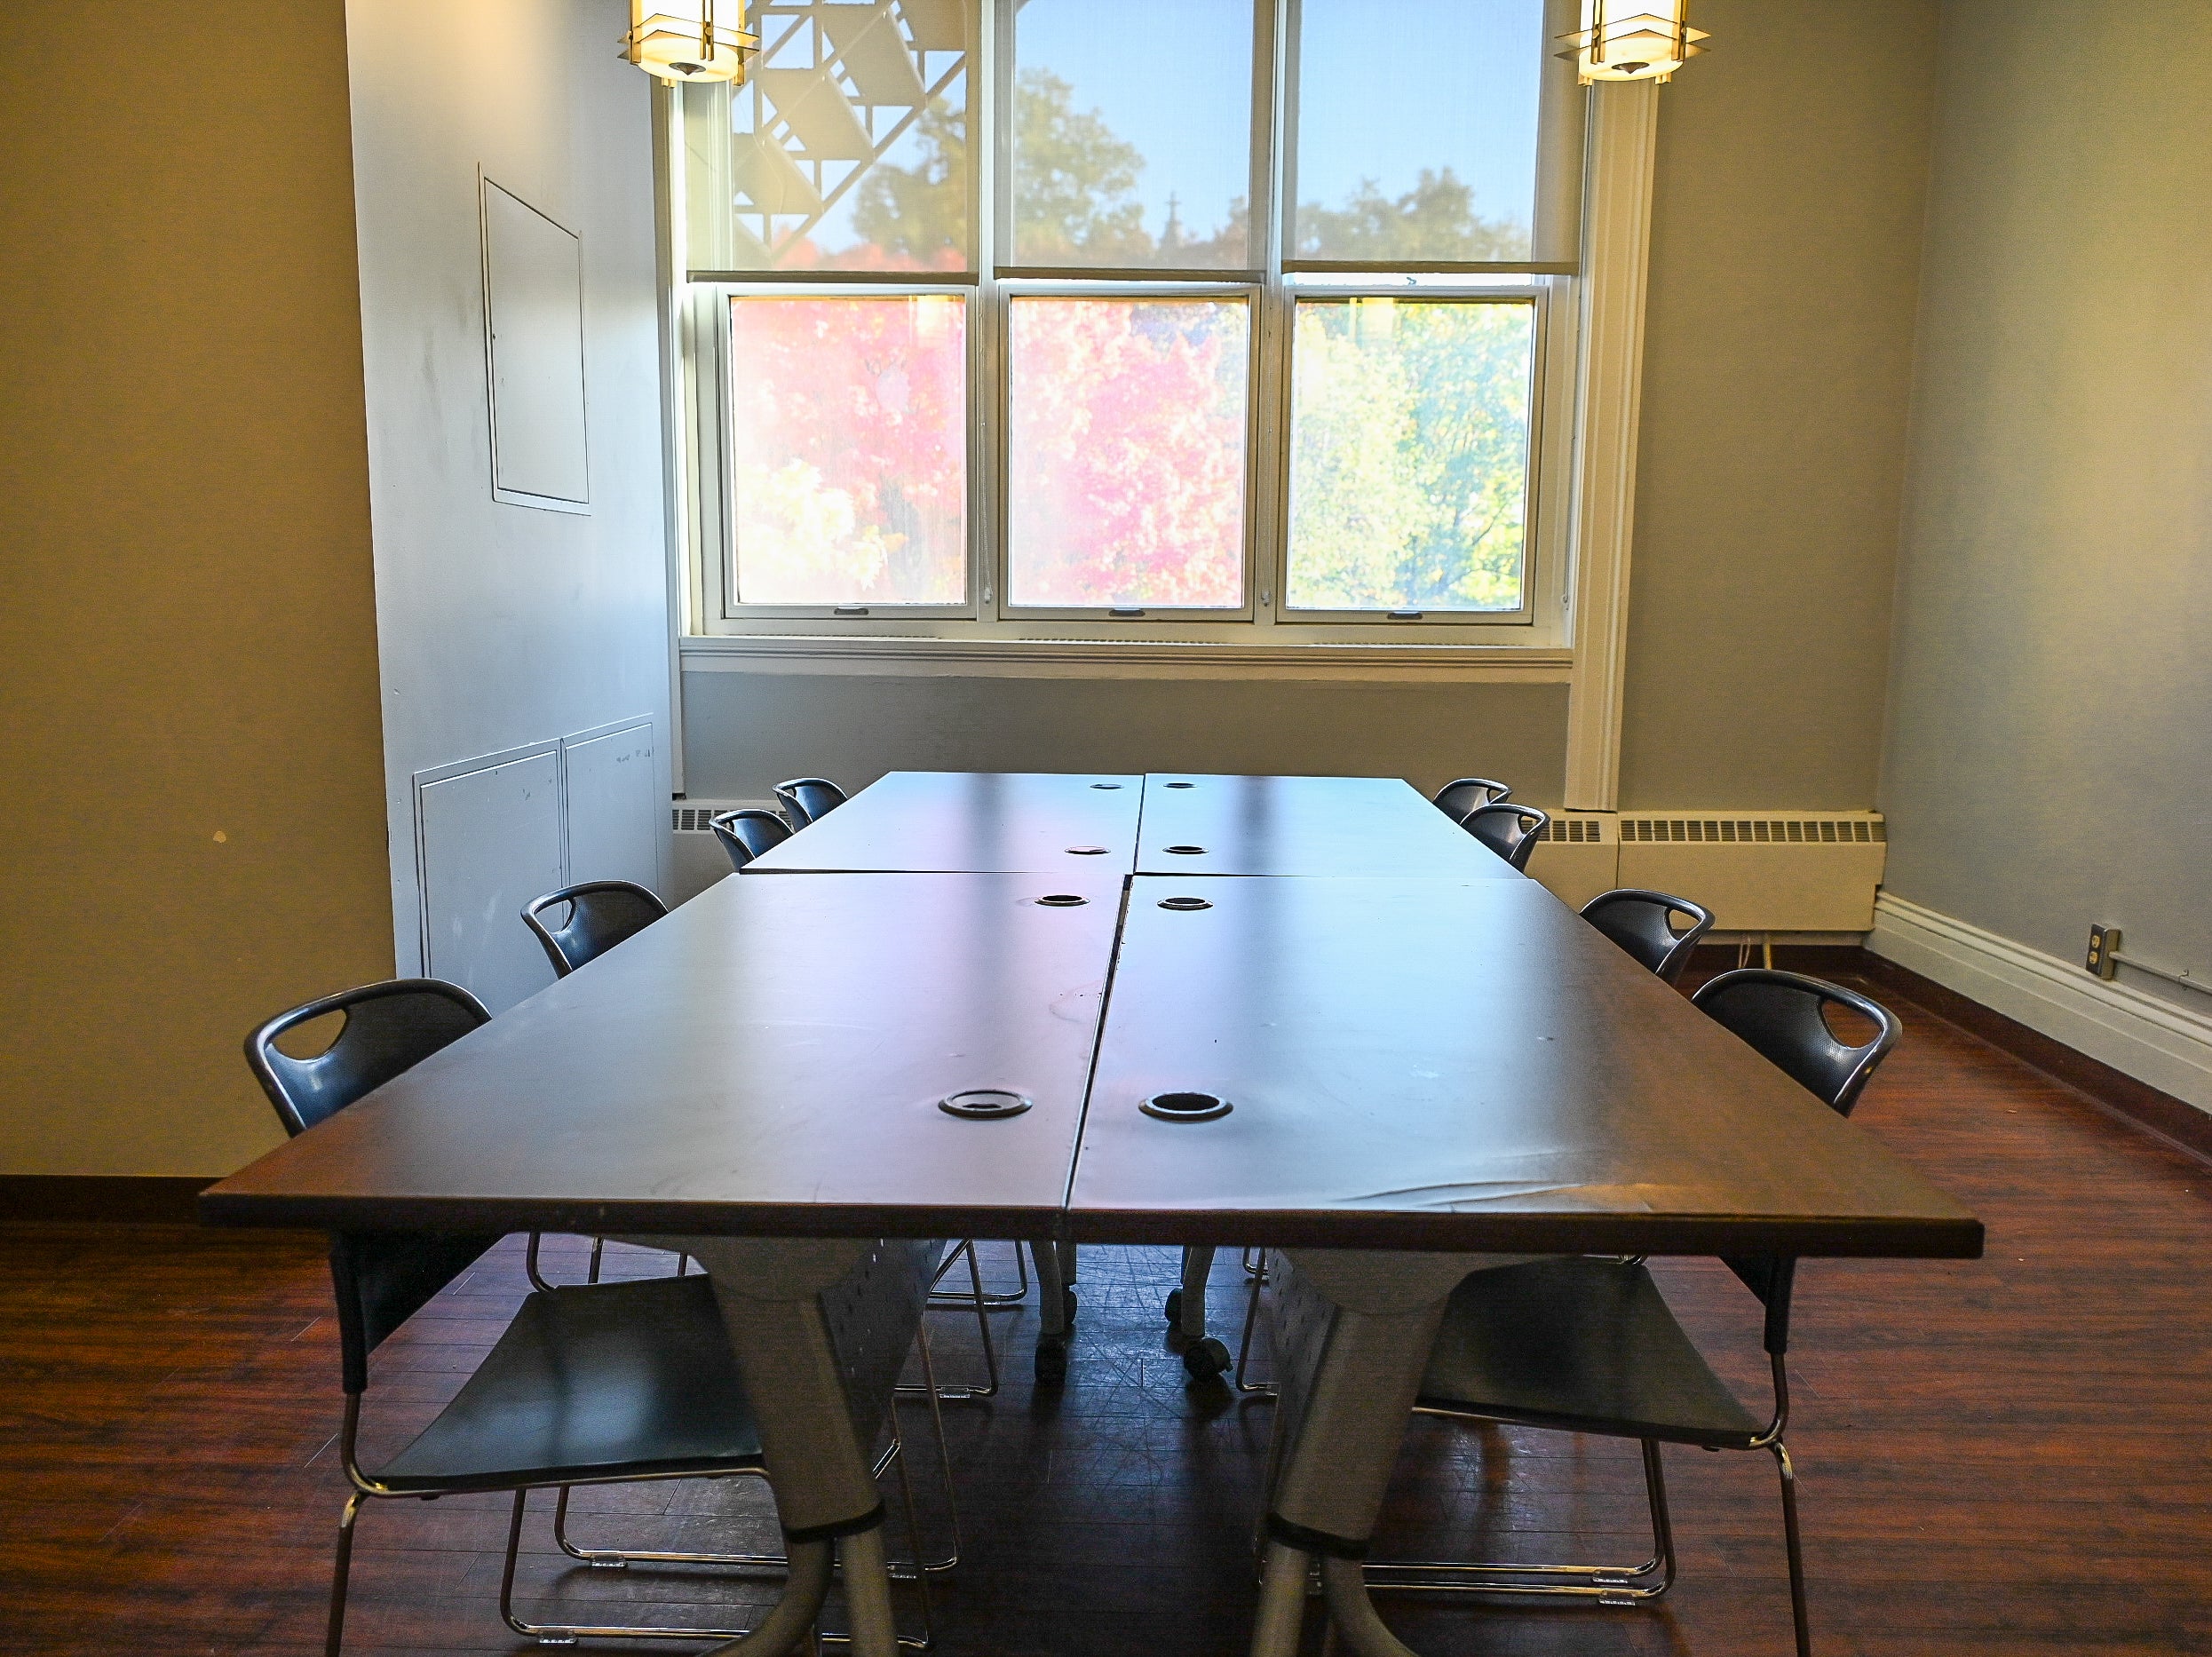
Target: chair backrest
<point>1512,831</point>
<point>381,1278</point>
<point>804,799</point>
<point>389,1027</point>
<point>600,915</point>
<point>1457,798</point>
<point>1784,1015</point>
<point>746,834</point>
<point>1643,923</point>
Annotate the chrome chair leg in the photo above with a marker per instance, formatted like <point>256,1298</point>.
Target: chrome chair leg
<point>529,1262</point>
<point>944,1464</point>
<point>1607,1584</point>
<point>1001,1299</point>
<point>569,1633</point>
<point>977,1301</point>
<point>893,1455</point>
<point>1256,1287</point>
<point>340,1572</point>
<point>1796,1553</point>
<point>538,1279</point>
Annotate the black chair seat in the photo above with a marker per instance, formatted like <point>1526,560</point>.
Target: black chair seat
<point>604,1380</point>
<point>1587,1346</point>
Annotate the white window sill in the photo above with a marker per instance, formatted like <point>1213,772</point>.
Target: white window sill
<point>1135,658</point>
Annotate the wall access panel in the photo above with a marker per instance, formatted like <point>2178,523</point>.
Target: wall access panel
<point>489,837</point>
<point>614,797</point>
<point>533,341</point>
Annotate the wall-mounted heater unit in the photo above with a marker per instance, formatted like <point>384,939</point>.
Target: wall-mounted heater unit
<point>1579,855</point>
<point>1761,872</point>
<point>700,860</point>
<point>1769,872</point>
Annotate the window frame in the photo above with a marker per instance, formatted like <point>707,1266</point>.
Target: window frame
<point>1272,292</point>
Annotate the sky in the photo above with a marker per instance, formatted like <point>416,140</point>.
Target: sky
<point>1388,87</point>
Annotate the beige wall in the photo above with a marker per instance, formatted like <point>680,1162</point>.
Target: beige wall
<point>191,801</point>
<point>2050,722</point>
<point>745,732</point>
<point>1778,362</point>
<point>1785,244</point>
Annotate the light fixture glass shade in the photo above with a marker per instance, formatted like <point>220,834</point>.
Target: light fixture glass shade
<point>1632,40</point>
<point>690,40</point>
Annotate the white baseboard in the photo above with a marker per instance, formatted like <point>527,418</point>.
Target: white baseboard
<point>2138,1035</point>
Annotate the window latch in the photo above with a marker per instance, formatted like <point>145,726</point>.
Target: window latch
<point>1124,610</point>
<point>1402,615</point>
<point>849,609</point>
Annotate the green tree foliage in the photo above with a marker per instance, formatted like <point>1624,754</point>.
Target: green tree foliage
<point>1075,203</point>
<point>918,216</point>
<point>1436,219</point>
<point>1409,455</point>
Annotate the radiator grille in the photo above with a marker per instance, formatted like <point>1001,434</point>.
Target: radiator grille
<point>692,819</point>
<point>1575,830</point>
<point>1753,830</point>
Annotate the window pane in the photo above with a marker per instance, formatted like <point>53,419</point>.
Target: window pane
<point>1417,130</point>
<point>1132,130</point>
<point>845,149</point>
<point>1125,452</point>
<point>848,444</point>
<point>1409,454</point>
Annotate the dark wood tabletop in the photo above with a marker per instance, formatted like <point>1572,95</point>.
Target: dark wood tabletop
<point>767,1060</point>
<point>1218,825</point>
<point>972,823</point>
<point>1453,1064</point>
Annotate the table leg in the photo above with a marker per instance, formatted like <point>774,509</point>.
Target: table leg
<point>1198,1264</point>
<point>1352,1337</point>
<point>820,1329</point>
<point>1051,1290</point>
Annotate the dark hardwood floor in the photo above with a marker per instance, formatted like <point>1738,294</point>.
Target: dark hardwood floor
<point>2003,1456</point>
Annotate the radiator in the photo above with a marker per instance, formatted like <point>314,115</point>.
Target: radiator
<point>1771,871</point>
<point>700,860</point>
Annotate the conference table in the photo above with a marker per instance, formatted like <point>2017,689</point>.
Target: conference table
<point>1305,1013</point>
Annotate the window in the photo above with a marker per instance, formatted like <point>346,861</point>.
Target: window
<point>1238,318</point>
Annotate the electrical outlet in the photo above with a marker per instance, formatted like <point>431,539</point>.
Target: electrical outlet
<point>2103,956</point>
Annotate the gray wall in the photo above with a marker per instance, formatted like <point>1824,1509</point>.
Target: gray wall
<point>2050,717</point>
<point>191,801</point>
<point>744,732</point>
<point>1777,363</point>
<point>1786,241</point>
<point>503,625</point>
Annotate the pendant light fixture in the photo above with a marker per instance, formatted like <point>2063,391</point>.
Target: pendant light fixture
<point>690,40</point>
<point>1632,40</point>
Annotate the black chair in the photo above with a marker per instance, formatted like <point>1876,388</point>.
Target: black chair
<point>746,834</point>
<point>1643,923</point>
<point>1589,1344</point>
<point>1512,831</point>
<point>603,1383</point>
<point>1457,798</point>
<point>388,1029</point>
<point>601,914</point>
<point>808,799</point>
